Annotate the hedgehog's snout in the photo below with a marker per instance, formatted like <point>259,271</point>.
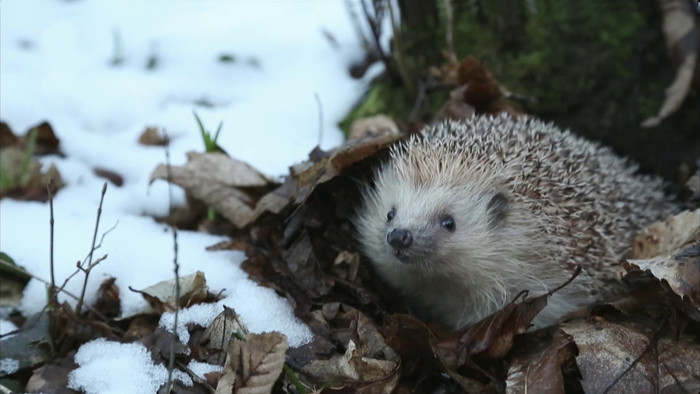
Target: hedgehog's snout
<point>400,238</point>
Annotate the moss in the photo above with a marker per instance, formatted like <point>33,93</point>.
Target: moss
<point>597,67</point>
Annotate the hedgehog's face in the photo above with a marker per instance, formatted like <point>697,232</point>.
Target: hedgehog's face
<point>428,225</point>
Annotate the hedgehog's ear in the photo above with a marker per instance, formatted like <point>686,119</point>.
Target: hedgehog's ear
<point>497,210</point>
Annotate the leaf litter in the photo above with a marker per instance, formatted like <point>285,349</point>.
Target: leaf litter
<point>299,241</point>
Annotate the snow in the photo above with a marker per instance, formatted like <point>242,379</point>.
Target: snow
<point>9,365</point>
<point>203,368</point>
<point>55,66</point>
<point>6,327</point>
<point>98,360</point>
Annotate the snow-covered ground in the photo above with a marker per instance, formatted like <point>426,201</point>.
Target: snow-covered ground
<point>55,66</point>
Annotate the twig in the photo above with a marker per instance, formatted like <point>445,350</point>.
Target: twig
<point>196,377</point>
<point>53,294</point>
<point>399,55</point>
<point>356,25</point>
<point>176,266</point>
<point>449,33</point>
<point>320,119</point>
<point>59,290</point>
<point>575,274</point>
<point>375,29</point>
<point>92,250</point>
<point>652,341</point>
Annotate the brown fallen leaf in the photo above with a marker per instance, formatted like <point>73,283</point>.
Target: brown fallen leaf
<point>46,140</point>
<point>7,137</point>
<point>540,371</point>
<point>219,181</point>
<point>53,377</point>
<point>161,296</point>
<point>492,337</point>
<point>305,268</point>
<point>108,302</point>
<point>160,343</point>
<point>253,365</point>
<point>627,357</point>
<point>373,126</point>
<point>151,136</point>
<point>477,91</point>
<point>113,177</point>
<point>222,330</point>
<point>305,177</point>
<point>367,362</point>
<point>664,237</point>
<point>680,272</point>
<point>682,35</point>
<point>22,177</point>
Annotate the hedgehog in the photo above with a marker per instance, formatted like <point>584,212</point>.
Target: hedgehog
<point>464,216</point>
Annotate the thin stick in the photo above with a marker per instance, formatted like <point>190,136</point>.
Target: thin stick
<point>320,119</point>
<point>449,34</point>
<point>92,250</point>
<point>399,55</point>
<point>59,290</point>
<point>176,269</point>
<point>53,297</point>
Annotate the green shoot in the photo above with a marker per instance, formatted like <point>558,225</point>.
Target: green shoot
<point>11,176</point>
<point>209,146</point>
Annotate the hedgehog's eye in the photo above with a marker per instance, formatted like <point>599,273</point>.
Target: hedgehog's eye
<point>448,222</point>
<point>390,215</point>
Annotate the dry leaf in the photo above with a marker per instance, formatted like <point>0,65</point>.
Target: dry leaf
<point>540,371</point>
<point>373,126</point>
<point>222,329</point>
<point>253,365</point>
<point>26,180</point>
<point>113,177</point>
<point>219,181</point>
<point>625,358</point>
<point>7,137</point>
<point>161,296</point>
<point>682,36</point>
<point>305,177</point>
<point>52,378</point>
<point>664,237</point>
<point>152,137</point>
<point>680,271</point>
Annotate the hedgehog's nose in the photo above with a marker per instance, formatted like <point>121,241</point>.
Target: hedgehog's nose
<point>400,238</point>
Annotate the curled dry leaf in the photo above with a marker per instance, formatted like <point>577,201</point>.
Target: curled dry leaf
<point>46,140</point>
<point>7,137</point>
<point>540,370</point>
<point>306,176</point>
<point>253,365</point>
<point>161,296</point>
<point>108,302</point>
<point>680,271</point>
<point>221,182</point>
<point>682,35</point>
<point>53,377</point>
<point>373,126</point>
<point>665,237</point>
<point>151,136</point>
<point>113,177</point>
<point>628,358</point>
<point>492,337</point>
<point>22,177</point>
<point>305,268</point>
<point>222,329</point>
<point>479,92</point>
<point>367,364</point>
